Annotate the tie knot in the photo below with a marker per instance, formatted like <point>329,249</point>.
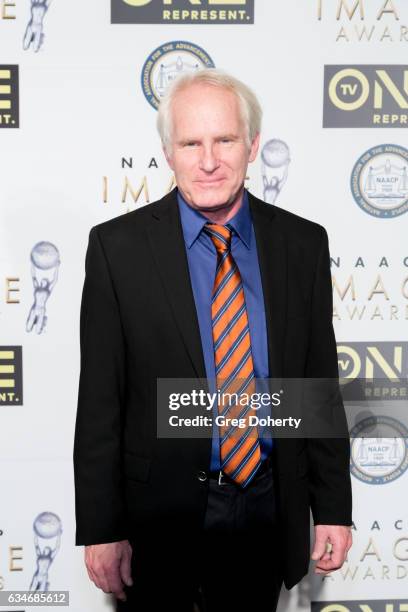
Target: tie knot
<point>220,235</point>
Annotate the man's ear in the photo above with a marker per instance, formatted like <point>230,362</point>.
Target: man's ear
<point>254,148</point>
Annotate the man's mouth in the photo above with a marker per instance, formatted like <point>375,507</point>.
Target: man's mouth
<point>208,182</point>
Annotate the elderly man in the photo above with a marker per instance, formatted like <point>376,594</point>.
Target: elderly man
<point>207,283</point>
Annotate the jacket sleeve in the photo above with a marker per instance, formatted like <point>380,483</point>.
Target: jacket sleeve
<point>329,459</point>
<point>99,502</point>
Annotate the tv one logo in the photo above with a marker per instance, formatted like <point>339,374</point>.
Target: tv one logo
<point>9,96</point>
<point>365,96</point>
<point>387,360</point>
<point>11,376</point>
<point>379,605</point>
<point>183,11</point>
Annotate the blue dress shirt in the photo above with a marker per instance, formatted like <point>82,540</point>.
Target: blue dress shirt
<point>202,261</point>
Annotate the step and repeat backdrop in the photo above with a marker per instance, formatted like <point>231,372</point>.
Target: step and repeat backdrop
<point>80,84</point>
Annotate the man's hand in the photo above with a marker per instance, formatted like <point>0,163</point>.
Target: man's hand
<point>332,543</point>
<point>108,566</point>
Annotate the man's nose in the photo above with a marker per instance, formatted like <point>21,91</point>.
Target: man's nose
<point>208,161</point>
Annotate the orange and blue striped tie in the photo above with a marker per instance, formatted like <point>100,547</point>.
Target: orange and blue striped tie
<point>240,453</point>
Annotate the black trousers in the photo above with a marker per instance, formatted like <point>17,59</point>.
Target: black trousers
<point>234,567</point>
<point>241,547</point>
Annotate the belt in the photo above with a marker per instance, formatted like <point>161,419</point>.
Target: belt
<point>223,478</point>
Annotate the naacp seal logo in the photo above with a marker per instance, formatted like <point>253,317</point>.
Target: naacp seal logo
<point>379,181</point>
<point>166,63</point>
<point>378,460</point>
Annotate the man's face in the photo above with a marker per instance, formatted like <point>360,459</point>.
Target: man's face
<point>208,152</point>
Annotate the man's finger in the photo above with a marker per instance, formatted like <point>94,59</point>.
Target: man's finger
<point>103,562</point>
<point>115,582</point>
<point>327,566</point>
<point>335,561</point>
<point>319,548</point>
<point>100,578</point>
<point>337,558</point>
<point>90,574</point>
<point>125,568</point>
<point>89,569</point>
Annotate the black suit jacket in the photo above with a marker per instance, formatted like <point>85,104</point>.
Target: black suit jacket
<point>138,323</point>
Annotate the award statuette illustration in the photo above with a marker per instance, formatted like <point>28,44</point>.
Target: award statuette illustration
<point>47,526</point>
<point>45,261</point>
<point>275,164</point>
<point>34,34</point>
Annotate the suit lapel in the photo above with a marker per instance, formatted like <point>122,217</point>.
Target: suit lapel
<point>272,256</point>
<point>168,249</point>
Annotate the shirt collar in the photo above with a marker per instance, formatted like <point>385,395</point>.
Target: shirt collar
<point>193,221</point>
<point>241,222</point>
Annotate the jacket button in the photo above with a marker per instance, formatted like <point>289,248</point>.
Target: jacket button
<point>202,476</point>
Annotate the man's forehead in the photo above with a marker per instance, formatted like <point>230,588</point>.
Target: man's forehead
<point>198,93</point>
<point>191,130</point>
<point>186,108</point>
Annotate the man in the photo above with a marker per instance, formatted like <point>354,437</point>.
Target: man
<point>207,282</point>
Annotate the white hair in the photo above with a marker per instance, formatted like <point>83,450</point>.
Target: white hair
<point>251,112</point>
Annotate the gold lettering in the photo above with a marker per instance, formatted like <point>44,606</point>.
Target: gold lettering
<point>392,89</point>
<point>210,2</point>
<point>135,194</point>
<point>394,313</point>
<point>401,549</point>
<point>343,74</point>
<point>14,557</point>
<point>385,572</point>
<point>378,288</point>
<point>386,34</point>
<point>342,34</point>
<point>382,363</point>
<point>347,571</point>
<point>137,2</point>
<point>336,314</point>
<point>387,9</point>
<point>4,14</point>
<point>405,288</point>
<point>377,314</point>
<point>364,32</point>
<point>369,574</point>
<point>344,363</point>
<point>350,12</point>
<point>11,289</point>
<point>370,550</point>
<point>354,311</point>
<point>401,573</point>
<point>349,285</point>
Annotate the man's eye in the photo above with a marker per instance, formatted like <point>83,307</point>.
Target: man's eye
<point>226,140</point>
<point>190,144</point>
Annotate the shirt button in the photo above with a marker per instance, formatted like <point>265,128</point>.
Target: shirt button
<point>202,476</point>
